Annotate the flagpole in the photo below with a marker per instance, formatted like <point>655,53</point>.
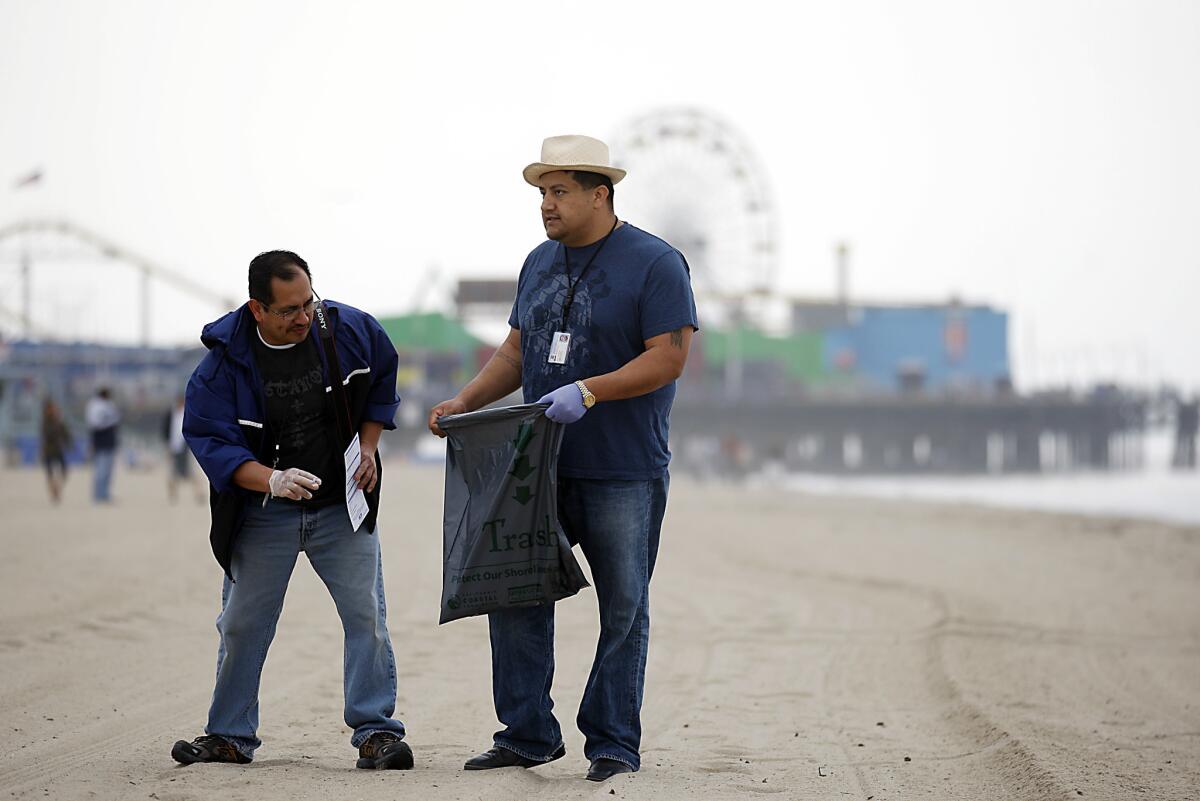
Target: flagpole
<point>145,292</point>
<point>27,289</point>
<point>32,179</point>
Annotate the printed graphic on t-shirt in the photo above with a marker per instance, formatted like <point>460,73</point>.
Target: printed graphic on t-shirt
<point>303,407</point>
<point>547,294</point>
<point>298,415</point>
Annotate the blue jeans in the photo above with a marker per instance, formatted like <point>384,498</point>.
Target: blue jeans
<point>617,524</point>
<point>263,557</point>
<point>102,471</point>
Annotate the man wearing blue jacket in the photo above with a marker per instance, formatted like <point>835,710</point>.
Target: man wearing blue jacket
<point>262,417</point>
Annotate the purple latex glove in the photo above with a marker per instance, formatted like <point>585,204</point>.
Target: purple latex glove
<point>566,404</point>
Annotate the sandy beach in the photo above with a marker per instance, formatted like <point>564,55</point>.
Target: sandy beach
<point>802,647</point>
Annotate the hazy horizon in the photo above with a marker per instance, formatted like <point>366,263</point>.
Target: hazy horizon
<point>1039,157</point>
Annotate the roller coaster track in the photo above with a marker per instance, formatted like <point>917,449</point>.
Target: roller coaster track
<point>148,269</point>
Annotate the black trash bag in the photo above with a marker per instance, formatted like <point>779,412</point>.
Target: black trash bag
<point>502,546</point>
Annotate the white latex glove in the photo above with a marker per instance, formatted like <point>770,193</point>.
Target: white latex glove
<point>293,483</point>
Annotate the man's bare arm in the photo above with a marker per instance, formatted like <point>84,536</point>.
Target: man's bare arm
<point>661,363</point>
<point>253,476</point>
<point>500,377</point>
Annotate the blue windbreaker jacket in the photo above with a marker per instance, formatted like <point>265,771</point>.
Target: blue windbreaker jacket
<point>225,422</point>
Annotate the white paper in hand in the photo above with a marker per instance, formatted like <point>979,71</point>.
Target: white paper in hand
<point>356,501</point>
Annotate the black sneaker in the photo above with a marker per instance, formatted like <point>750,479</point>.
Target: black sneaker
<point>208,748</point>
<point>384,751</point>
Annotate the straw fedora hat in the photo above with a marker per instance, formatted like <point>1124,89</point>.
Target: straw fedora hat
<point>572,152</point>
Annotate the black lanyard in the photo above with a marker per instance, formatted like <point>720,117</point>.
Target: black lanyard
<point>341,410</point>
<point>570,299</point>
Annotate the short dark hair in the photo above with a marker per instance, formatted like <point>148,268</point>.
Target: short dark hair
<point>282,264</point>
<point>590,180</point>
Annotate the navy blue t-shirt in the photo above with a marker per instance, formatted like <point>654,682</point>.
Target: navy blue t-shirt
<point>638,287</point>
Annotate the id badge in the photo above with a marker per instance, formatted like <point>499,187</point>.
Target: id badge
<point>558,347</point>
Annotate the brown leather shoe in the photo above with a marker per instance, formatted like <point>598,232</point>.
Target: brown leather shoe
<point>208,748</point>
<point>384,751</point>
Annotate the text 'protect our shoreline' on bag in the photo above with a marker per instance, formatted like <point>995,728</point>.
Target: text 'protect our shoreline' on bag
<point>502,546</point>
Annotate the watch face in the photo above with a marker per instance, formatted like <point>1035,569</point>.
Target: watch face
<point>589,400</point>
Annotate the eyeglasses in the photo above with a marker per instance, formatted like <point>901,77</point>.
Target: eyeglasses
<point>291,312</point>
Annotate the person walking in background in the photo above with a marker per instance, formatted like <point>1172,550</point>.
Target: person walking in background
<point>56,441</point>
<point>103,420</point>
<point>1187,421</point>
<point>179,468</point>
<point>603,318</point>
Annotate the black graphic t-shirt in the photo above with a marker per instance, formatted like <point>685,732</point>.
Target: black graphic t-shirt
<point>299,416</point>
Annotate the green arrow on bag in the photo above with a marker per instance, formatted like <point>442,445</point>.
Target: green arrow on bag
<point>522,468</point>
<point>524,437</point>
<point>522,495</point>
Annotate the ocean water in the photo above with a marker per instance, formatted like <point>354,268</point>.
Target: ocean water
<point>1155,492</point>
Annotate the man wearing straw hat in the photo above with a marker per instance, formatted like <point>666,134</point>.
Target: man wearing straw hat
<point>600,330</point>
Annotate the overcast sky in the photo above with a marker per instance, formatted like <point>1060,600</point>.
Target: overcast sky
<point>1039,156</point>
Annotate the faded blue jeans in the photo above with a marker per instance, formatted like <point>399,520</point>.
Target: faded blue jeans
<point>102,472</point>
<point>263,557</point>
<point>617,525</point>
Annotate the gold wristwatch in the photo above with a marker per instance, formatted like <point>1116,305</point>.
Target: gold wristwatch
<point>589,400</point>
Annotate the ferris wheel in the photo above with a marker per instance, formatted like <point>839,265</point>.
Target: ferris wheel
<point>694,181</point>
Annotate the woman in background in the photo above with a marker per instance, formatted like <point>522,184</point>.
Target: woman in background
<point>56,439</point>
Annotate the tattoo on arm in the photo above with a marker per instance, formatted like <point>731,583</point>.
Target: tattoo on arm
<point>504,357</point>
<point>677,338</point>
